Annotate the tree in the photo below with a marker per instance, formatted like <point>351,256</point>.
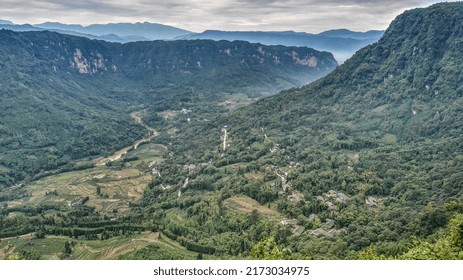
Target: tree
<point>67,248</point>
<point>254,216</point>
<point>455,228</point>
<point>448,247</point>
<point>370,254</point>
<point>14,257</point>
<point>267,249</point>
<point>422,250</point>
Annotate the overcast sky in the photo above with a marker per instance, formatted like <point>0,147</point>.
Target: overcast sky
<point>198,15</point>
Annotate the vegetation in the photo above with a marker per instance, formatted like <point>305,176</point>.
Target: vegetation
<point>67,98</point>
<point>267,249</point>
<point>362,164</point>
<point>369,155</point>
<point>448,246</point>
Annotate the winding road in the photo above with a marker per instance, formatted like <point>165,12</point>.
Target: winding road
<point>136,117</point>
<point>224,139</point>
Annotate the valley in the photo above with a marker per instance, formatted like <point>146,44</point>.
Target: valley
<point>81,91</point>
<point>185,150</point>
<point>110,186</point>
<point>86,176</point>
<point>152,133</point>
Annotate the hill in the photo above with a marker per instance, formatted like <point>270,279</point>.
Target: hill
<point>364,163</point>
<point>129,32</point>
<point>359,163</point>
<point>346,33</point>
<point>342,43</point>
<point>66,98</point>
<point>2,21</point>
<point>111,32</point>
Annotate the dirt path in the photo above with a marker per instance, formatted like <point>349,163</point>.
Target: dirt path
<point>136,117</point>
<point>28,235</point>
<point>283,179</point>
<point>185,185</point>
<point>265,134</point>
<point>224,139</point>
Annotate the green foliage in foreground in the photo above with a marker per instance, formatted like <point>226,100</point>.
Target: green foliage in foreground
<point>448,246</point>
<point>267,249</point>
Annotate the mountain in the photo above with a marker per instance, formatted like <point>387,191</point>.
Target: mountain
<point>111,32</point>
<point>5,21</point>
<point>129,32</point>
<point>19,27</point>
<point>342,43</point>
<point>66,98</point>
<point>363,163</point>
<point>28,27</point>
<point>346,33</point>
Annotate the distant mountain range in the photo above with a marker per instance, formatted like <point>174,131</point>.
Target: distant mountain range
<point>343,43</point>
<point>5,21</point>
<point>111,32</point>
<point>126,31</point>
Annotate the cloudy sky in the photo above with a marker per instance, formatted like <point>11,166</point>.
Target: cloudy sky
<point>199,15</point>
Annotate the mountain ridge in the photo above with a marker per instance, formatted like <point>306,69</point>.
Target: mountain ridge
<point>89,76</point>
<point>342,43</point>
<point>363,159</point>
<point>2,21</point>
<point>145,30</point>
<point>365,163</point>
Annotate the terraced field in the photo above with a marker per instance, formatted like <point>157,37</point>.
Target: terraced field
<point>52,247</point>
<point>109,189</point>
<point>246,204</point>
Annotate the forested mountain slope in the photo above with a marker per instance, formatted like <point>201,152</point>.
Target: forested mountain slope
<point>365,163</point>
<point>65,98</point>
<point>370,155</point>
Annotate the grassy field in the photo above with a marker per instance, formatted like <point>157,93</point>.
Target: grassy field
<point>48,248</point>
<point>118,186</point>
<point>52,247</point>
<point>234,101</point>
<point>246,204</point>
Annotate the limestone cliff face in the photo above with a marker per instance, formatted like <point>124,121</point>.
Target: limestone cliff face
<point>63,53</point>
<point>65,97</point>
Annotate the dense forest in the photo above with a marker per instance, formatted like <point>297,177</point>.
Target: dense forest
<point>365,163</point>
<point>67,98</point>
<point>367,157</point>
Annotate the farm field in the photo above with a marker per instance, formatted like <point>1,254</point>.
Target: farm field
<point>53,247</point>
<point>109,189</point>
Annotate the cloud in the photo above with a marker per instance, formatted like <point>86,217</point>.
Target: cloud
<point>198,15</point>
